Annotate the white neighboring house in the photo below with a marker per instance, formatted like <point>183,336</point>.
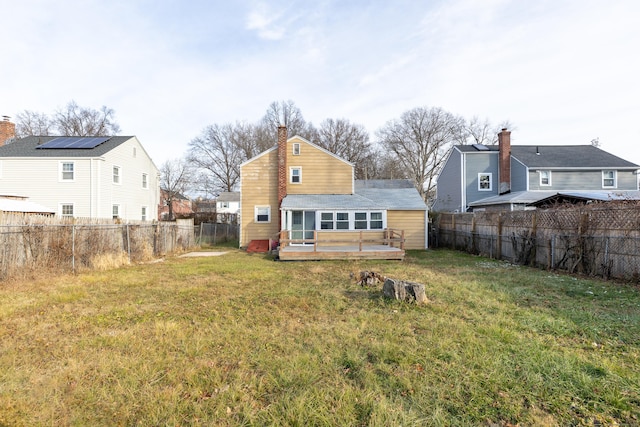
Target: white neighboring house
<point>228,206</point>
<point>90,177</point>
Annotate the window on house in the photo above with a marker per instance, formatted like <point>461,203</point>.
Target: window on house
<point>360,222</point>
<point>263,213</point>
<point>67,171</point>
<point>485,182</point>
<point>296,149</point>
<point>66,209</point>
<point>145,180</point>
<point>368,221</point>
<point>545,178</point>
<point>116,174</point>
<point>115,211</point>
<point>143,213</point>
<point>134,152</point>
<point>376,221</point>
<point>342,221</point>
<point>609,179</point>
<point>296,175</point>
<point>224,205</point>
<point>326,221</point>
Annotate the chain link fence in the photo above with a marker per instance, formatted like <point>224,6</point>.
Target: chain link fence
<point>593,240</point>
<point>216,233</point>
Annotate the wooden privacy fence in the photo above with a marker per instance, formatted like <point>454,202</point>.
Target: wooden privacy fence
<point>38,243</point>
<point>598,240</point>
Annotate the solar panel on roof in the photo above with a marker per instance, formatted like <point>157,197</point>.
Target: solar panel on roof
<point>480,147</point>
<point>74,142</point>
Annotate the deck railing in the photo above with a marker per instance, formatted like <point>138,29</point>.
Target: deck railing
<point>390,237</point>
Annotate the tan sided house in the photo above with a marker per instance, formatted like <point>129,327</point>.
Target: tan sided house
<point>306,199</point>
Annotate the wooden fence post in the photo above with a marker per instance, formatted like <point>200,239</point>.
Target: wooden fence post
<point>453,231</point>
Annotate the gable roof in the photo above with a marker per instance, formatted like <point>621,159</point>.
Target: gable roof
<point>275,147</point>
<point>28,147</point>
<point>384,194</point>
<point>568,157</point>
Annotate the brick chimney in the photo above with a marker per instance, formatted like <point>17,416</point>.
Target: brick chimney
<point>7,130</point>
<point>504,161</point>
<point>282,165</point>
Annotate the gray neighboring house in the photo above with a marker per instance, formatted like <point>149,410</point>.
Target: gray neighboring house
<point>507,177</point>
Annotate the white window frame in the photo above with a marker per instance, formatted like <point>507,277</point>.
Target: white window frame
<point>62,209</point>
<point>296,148</point>
<point>614,178</point>
<point>256,213</point>
<point>116,176</point>
<point>488,174</point>
<point>115,211</point>
<point>61,166</point>
<point>145,181</point>
<point>144,213</point>
<point>369,220</point>
<point>548,176</point>
<point>295,168</point>
<point>327,223</point>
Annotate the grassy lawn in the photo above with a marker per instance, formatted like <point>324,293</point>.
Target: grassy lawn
<point>242,340</point>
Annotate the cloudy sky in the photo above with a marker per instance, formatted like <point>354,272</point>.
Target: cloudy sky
<point>561,71</point>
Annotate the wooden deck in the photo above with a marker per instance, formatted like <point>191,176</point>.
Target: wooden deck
<point>363,247</point>
<point>307,253</point>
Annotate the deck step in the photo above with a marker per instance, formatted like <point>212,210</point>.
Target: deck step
<point>258,246</point>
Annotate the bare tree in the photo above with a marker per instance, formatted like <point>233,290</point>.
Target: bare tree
<point>252,139</point>
<point>288,114</point>
<point>175,179</point>
<point>419,140</point>
<point>31,123</point>
<point>477,131</point>
<point>80,121</point>
<point>73,120</point>
<point>348,141</point>
<point>217,155</point>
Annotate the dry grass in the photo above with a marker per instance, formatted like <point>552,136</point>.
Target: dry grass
<point>242,340</point>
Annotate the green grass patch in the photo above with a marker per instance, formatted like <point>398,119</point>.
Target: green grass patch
<point>240,339</point>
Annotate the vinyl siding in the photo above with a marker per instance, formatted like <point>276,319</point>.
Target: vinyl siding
<point>448,194</point>
<point>480,163</point>
<point>413,224</point>
<point>129,194</point>
<point>518,176</point>
<point>259,180</point>
<point>322,173</point>
<point>581,180</point>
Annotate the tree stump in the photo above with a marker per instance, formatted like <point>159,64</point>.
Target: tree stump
<point>404,291</point>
